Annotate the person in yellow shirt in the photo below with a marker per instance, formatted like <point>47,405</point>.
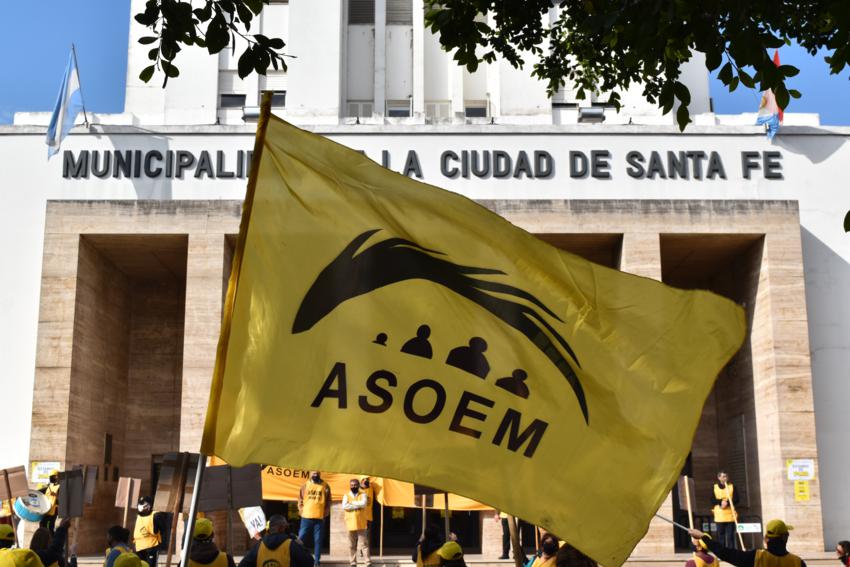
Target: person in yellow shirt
<point>774,554</point>
<point>354,504</point>
<point>701,556</point>
<point>51,490</point>
<point>723,498</point>
<point>205,552</point>
<point>549,545</point>
<point>277,548</point>
<point>148,535</point>
<point>314,505</point>
<point>118,542</point>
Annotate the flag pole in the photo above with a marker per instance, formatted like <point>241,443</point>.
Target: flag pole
<point>193,510</point>
<point>82,99</point>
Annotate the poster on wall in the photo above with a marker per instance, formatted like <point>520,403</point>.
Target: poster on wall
<point>40,470</point>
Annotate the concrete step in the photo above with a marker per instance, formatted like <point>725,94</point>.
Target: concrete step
<point>823,559</point>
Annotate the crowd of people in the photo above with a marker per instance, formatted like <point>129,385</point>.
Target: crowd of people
<point>277,546</point>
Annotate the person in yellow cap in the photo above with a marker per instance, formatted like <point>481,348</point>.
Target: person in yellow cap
<point>774,554</point>
<point>15,557</point>
<point>7,536</point>
<point>277,548</point>
<point>51,491</point>
<point>204,551</point>
<point>701,557</point>
<point>451,555</point>
<point>425,554</point>
<point>128,560</point>
<point>19,558</point>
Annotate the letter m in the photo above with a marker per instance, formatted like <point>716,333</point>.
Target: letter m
<point>510,428</point>
<point>75,169</point>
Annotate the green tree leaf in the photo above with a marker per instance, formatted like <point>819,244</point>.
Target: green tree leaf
<point>147,73</point>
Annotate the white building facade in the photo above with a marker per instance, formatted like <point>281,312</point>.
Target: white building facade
<point>366,73</point>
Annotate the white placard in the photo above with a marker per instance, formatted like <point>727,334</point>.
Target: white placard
<point>254,519</point>
<point>801,469</point>
<point>754,528</point>
<point>40,471</point>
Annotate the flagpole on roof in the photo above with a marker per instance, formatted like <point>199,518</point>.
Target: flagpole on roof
<point>82,99</point>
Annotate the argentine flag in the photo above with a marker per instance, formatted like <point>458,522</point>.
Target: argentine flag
<point>68,105</point>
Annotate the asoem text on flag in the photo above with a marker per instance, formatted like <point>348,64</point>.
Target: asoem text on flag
<point>69,103</point>
<point>770,115</point>
<point>378,325</point>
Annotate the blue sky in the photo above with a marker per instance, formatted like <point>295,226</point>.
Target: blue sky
<point>35,37</point>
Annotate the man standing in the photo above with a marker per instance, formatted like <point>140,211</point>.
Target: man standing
<point>723,499</point>
<point>775,553</point>
<point>51,491</point>
<point>314,505</point>
<point>277,548</point>
<point>147,535</point>
<point>354,503</point>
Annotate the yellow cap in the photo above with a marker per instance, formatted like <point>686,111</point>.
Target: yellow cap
<point>203,529</point>
<point>19,558</point>
<point>450,550</point>
<point>7,533</point>
<point>127,560</point>
<point>54,472</point>
<point>777,528</point>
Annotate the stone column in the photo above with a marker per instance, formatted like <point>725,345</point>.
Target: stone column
<point>491,535</point>
<point>785,421</point>
<point>51,404</point>
<point>339,533</point>
<point>641,255</point>
<point>204,277</point>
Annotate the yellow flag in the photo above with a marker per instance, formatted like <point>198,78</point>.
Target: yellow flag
<point>380,325</point>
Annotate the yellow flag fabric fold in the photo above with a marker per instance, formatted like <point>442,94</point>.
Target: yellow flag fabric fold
<point>380,325</point>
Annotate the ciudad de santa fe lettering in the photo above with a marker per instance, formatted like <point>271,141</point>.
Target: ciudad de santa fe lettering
<point>577,165</point>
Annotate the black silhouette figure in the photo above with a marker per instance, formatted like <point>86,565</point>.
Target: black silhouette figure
<point>471,358</point>
<point>419,345</point>
<point>361,269</point>
<point>515,383</point>
<point>381,339</point>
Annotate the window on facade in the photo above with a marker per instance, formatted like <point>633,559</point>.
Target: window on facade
<point>400,12</point>
<point>232,101</point>
<point>361,12</point>
<point>360,109</point>
<point>278,98</point>
<point>475,110</point>
<point>438,109</point>
<point>398,108</point>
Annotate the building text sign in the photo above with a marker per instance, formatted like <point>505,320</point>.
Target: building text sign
<point>801,469</point>
<point>451,164</point>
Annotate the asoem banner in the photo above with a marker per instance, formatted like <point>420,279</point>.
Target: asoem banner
<point>377,324</point>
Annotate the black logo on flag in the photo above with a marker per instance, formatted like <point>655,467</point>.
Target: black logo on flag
<point>394,260</point>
